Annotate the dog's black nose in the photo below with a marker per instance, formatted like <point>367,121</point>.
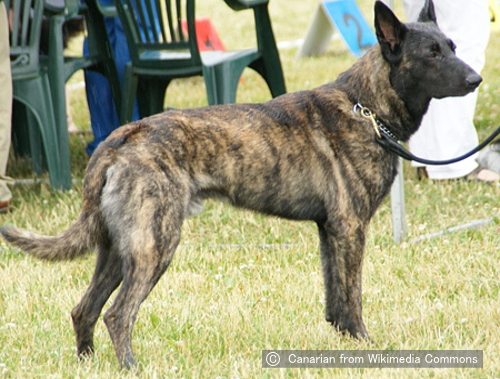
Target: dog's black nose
<point>473,80</point>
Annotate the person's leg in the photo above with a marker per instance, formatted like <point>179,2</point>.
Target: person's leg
<point>5,106</point>
<point>446,133</point>
<point>103,115</point>
<point>447,129</point>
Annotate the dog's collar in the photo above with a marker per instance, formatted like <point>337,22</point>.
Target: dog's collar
<point>390,142</point>
<point>380,129</point>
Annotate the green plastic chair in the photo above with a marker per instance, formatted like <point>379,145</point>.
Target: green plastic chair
<point>61,68</point>
<point>160,52</point>
<point>32,89</point>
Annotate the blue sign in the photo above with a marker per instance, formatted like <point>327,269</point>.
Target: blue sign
<point>351,24</point>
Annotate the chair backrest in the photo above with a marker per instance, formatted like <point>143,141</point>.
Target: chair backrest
<point>154,30</point>
<point>25,19</point>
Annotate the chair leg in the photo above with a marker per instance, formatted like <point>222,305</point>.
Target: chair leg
<point>274,78</point>
<point>221,82</point>
<point>269,66</point>
<point>21,140</point>
<point>55,82</point>
<point>99,45</point>
<point>35,141</point>
<point>210,78</point>
<point>129,94</point>
<point>40,104</point>
<point>272,73</point>
<point>152,98</point>
<point>26,137</point>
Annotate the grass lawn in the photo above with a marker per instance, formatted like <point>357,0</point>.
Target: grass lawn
<point>241,282</point>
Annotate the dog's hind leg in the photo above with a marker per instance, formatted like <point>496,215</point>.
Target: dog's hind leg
<point>107,276</point>
<point>341,256</point>
<point>142,272</point>
<point>152,243</point>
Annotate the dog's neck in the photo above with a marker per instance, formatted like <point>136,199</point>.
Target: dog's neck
<point>368,82</point>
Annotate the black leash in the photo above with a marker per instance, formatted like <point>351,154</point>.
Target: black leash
<point>389,141</point>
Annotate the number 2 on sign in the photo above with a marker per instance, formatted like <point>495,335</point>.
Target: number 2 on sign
<point>348,18</point>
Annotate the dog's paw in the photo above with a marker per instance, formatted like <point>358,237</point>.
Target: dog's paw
<point>355,329</point>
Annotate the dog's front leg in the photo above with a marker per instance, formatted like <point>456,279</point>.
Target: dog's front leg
<point>342,246</point>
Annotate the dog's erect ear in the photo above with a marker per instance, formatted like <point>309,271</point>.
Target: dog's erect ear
<point>427,14</point>
<point>390,32</point>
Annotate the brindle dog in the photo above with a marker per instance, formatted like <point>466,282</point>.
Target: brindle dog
<point>302,156</point>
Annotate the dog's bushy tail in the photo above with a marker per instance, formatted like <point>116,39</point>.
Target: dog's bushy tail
<point>70,244</point>
<point>88,231</point>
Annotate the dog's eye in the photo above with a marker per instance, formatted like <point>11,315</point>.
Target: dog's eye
<point>435,50</point>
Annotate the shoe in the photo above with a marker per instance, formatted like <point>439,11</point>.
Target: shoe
<point>479,174</point>
<point>422,173</point>
<point>4,206</point>
<point>483,175</point>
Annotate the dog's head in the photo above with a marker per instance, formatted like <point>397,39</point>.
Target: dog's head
<point>421,57</point>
